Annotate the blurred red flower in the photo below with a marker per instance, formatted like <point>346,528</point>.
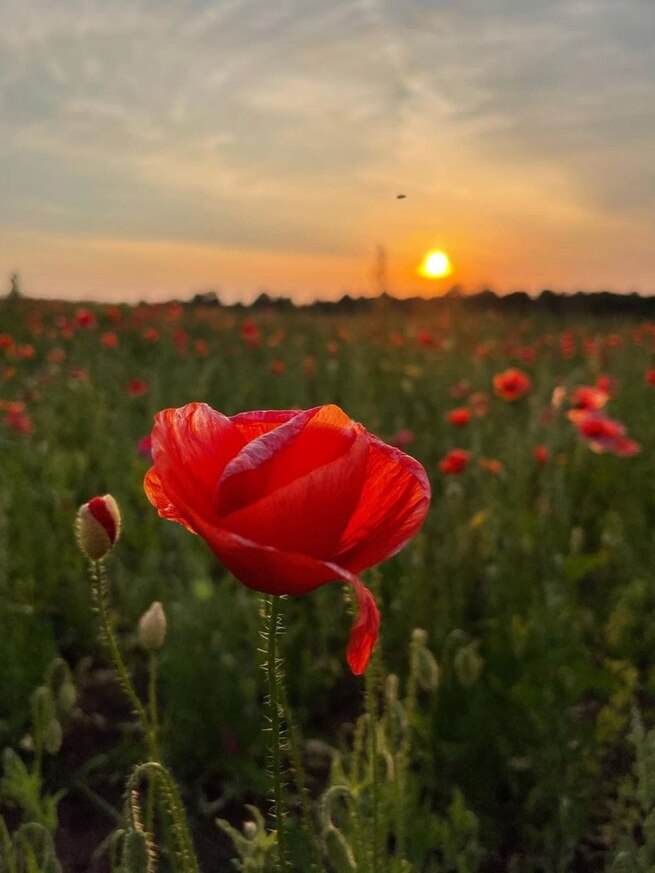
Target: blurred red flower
<point>110,339</point>
<point>137,388</point>
<point>649,376</point>
<point>541,455</point>
<point>250,334</point>
<point>85,318</point>
<point>459,416</point>
<point>402,438</point>
<point>289,500</point>
<point>512,384</point>
<point>455,461</point>
<point>19,421</point>
<point>605,434</point>
<point>492,465</point>
<point>586,398</point>
<point>144,447</point>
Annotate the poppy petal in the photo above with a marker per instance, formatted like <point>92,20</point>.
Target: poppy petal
<point>393,504</point>
<point>311,438</point>
<point>255,424</point>
<point>309,514</point>
<point>365,630</point>
<point>273,571</point>
<point>159,499</point>
<point>190,449</point>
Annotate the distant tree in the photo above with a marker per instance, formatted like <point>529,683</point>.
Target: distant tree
<point>206,298</point>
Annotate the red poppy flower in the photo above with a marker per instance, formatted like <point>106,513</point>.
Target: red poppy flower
<point>492,465</point>
<point>455,462</point>
<point>289,500</point>
<point>512,384</point>
<point>586,398</point>
<point>402,438</point>
<point>541,455</point>
<point>649,376</point>
<point>459,416</point>
<point>606,434</point>
<point>137,388</point>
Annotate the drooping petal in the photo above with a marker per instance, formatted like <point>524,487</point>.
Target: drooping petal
<point>364,632</point>
<point>309,514</point>
<point>273,571</point>
<point>190,449</point>
<point>393,504</point>
<point>311,438</point>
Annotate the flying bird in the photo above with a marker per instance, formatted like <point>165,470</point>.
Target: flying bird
<point>400,196</point>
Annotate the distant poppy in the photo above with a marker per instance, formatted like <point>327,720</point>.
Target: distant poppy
<point>541,455</point>
<point>479,403</point>
<point>605,434</point>
<point>586,398</point>
<point>278,367</point>
<point>512,384</point>
<point>144,447</point>
<point>455,462</point>
<point>459,416</point>
<point>250,334</point>
<point>289,500</point>
<point>402,438</point>
<point>137,388</point>
<point>649,376</point>
<point>109,339</point>
<point>492,465</point>
<point>84,318</point>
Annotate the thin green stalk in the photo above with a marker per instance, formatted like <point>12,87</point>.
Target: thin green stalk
<point>99,590</point>
<point>154,737</point>
<point>299,772</point>
<point>273,677</point>
<point>173,802</point>
<point>372,717</point>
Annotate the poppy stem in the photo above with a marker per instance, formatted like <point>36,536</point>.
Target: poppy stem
<point>100,593</point>
<point>273,675</point>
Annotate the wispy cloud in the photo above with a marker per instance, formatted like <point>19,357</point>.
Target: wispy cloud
<point>289,127</point>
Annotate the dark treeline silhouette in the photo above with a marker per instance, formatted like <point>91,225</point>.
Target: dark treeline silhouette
<point>551,302</point>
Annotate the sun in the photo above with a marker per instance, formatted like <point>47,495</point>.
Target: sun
<point>435,265</point>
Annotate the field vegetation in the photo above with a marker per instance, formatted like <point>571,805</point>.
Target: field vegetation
<point>503,723</point>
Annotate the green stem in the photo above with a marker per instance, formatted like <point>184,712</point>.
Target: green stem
<point>173,802</point>
<point>99,590</point>
<point>372,713</point>
<point>273,677</point>
<point>299,772</point>
<point>154,738</point>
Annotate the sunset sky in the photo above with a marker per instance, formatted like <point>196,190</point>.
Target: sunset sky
<point>156,148</point>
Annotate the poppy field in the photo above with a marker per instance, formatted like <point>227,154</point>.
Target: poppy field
<point>434,524</point>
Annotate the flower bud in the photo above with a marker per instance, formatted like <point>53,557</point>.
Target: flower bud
<point>152,628</point>
<point>98,526</point>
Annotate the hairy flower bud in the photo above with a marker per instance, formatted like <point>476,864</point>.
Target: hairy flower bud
<point>152,627</point>
<point>98,526</point>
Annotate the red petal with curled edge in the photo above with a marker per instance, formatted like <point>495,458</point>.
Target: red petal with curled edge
<point>364,632</point>
<point>159,499</point>
<point>255,424</point>
<point>272,571</point>
<point>392,507</point>
<point>309,514</point>
<point>297,446</point>
<point>190,448</point>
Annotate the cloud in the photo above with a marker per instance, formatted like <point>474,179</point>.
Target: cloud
<point>291,126</point>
